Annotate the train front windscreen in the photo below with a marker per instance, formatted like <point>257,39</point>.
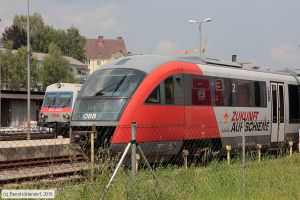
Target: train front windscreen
<point>58,99</point>
<point>105,94</point>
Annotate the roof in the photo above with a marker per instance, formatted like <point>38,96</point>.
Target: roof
<point>148,63</point>
<point>63,87</point>
<point>145,63</point>
<point>11,94</point>
<point>41,56</point>
<point>101,48</point>
<point>73,61</point>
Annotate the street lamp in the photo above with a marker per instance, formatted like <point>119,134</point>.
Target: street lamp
<point>197,22</point>
<point>28,74</point>
<point>0,95</point>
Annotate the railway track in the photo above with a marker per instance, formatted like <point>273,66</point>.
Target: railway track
<point>32,169</point>
<point>10,136</point>
<point>40,161</point>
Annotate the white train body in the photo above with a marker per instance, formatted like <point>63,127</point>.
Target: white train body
<point>58,104</point>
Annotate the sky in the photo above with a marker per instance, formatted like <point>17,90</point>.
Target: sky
<point>264,32</point>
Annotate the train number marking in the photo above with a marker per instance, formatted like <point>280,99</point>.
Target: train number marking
<point>55,115</point>
<point>90,116</point>
<point>233,87</point>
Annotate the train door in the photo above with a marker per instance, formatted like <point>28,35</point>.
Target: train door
<point>278,117</point>
<point>171,110</point>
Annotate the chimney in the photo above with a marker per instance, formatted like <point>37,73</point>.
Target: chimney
<point>100,39</point>
<point>233,58</point>
<point>119,38</point>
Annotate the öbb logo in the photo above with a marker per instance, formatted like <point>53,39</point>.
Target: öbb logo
<point>89,116</point>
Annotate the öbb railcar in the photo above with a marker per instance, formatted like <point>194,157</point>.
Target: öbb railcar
<point>57,105</point>
<point>186,100</point>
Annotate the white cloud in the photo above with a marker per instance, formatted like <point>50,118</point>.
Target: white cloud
<point>166,47</point>
<point>7,11</point>
<point>285,53</point>
<point>92,18</point>
<point>102,17</point>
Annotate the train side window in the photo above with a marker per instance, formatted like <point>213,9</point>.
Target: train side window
<point>179,93</point>
<point>260,97</point>
<point>228,92</point>
<point>243,93</point>
<point>294,101</point>
<point>222,94</point>
<point>154,97</point>
<point>169,90</point>
<point>201,94</point>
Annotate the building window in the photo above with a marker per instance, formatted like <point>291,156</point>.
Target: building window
<point>98,63</point>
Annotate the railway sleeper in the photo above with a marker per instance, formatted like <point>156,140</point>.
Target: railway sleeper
<point>41,161</point>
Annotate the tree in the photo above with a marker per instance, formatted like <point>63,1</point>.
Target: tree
<point>56,68</point>
<point>19,76</point>
<point>70,42</point>
<point>7,59</point>
<point>16,35</point>
<point>41,39</point>
<point>35,22</point>
<point>14,69</point>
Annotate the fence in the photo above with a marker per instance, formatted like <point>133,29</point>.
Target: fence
<point>228,160</point>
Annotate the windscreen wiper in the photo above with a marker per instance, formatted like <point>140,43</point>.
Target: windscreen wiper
<point>114,89</point>
<point>119,84</point>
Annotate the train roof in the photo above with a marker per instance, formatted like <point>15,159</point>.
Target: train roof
<point>145,63</point>
<point>148,63</point>
<point>63,87</point>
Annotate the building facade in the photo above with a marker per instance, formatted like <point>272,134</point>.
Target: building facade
<point>14,107</point>
<point>99,51</point>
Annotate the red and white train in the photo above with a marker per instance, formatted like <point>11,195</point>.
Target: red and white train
<point>187,99</point>
<point>58,104</point>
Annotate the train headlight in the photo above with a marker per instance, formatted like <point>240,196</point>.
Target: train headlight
<point>66,116</point>
<point>43,116</point>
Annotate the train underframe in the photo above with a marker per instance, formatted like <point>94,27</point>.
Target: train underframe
<point>58,128</point>
<point>198,150</point>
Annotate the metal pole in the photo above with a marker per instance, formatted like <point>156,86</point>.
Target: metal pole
<point>93,132</point>
<point>28,74</point>
<point>299,141</point>
<point>185,158</point>
<point>244,160</point>
<point>0,97</point>
<point>71,134</point>
<point>200,39</point>
<point>228,149</point>
<point>146,160</point>
<point>133,149</point>
<point>259,146</point>
<point>291,143</point>
<point>93,143</point>
<point>116,170</point>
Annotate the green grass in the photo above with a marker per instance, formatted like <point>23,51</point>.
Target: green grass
<point>270,179</point>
